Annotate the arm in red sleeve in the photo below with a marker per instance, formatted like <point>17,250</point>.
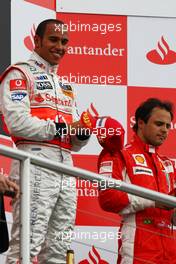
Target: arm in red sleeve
<point>112,200</point>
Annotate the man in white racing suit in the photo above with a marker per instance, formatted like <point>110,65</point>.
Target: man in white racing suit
<point>39,111</point>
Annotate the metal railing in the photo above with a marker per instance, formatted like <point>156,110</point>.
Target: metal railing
<point>26,159</point>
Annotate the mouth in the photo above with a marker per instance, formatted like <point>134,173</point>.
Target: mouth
<point>162,137</point>
<point>58,55</point>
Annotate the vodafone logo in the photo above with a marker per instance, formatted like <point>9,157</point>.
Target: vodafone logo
<point>162,54</point>
<point>18,83</point>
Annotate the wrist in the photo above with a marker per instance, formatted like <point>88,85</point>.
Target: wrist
<point>61,129</point>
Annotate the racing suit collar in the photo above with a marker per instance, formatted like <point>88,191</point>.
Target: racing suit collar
<point>146,147</point>
<point>43,64</point>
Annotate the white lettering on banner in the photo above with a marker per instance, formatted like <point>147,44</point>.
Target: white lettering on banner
<point>96,51</point>
<point>132,122</point>
<point>87,192</point>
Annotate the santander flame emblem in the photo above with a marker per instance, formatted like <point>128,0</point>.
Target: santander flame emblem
<point>93,258</point>
<point>38,98</point>
<point>162,54</point>
<point>29,40</point>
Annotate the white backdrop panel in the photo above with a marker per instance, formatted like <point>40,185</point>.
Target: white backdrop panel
<point>104,239</point>
<point>119,7</point>
<point>144,36</point>
<point>23,16</point>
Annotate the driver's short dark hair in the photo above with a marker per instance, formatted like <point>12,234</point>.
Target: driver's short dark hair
<point>40,31</point>
<point>144,111</point>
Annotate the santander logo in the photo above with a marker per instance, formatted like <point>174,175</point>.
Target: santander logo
<point>29,40</point>
<point>162,54</point>
<point>93,258</point>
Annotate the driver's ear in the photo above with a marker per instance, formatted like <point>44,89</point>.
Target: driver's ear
<point>140,123</point>
<point>37,41</point>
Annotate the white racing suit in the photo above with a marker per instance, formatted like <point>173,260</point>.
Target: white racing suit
<point>32,97</point>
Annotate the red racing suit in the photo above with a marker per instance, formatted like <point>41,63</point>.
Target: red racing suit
<point>147,231</point>
<point>32,98</point>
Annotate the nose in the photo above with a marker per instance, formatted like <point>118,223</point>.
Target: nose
<point>165,128</point>
<point>59,45</point>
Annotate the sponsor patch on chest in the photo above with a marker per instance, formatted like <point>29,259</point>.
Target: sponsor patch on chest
<point>139,159</point>
<point>18,96</point>
<point>43,85</point>
<point>141,170</point>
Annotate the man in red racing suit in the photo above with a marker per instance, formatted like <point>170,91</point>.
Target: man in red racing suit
<point>147,229</point>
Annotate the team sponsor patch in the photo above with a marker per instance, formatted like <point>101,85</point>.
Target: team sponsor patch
<point>139,159</point>
<point>141,170</point>
<point>18,96</point>
<point>106,167</point>
<point>168,166</point>
<point>41,77</point>
<point>43,85</point>
<point>40,64</point>
<point>41,97</point>
<point>109,175</point>
<point>66,87</point>
<point>32,68</point>
<point>18,84</point>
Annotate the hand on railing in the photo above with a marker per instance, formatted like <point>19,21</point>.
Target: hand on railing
<point>8,187</point>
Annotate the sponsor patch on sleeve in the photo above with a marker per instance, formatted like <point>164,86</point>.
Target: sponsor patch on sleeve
<point>106,167</point>
<point>168,166</point>
<point>18,84</point>
<point>18,96</point>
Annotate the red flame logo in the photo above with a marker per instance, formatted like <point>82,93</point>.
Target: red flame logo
<point>162,54</point>
<point>29,40</point>
<point>94,258</point>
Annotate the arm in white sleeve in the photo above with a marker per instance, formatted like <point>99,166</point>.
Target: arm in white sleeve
<point>136,203</point>
<point>17,113</point>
